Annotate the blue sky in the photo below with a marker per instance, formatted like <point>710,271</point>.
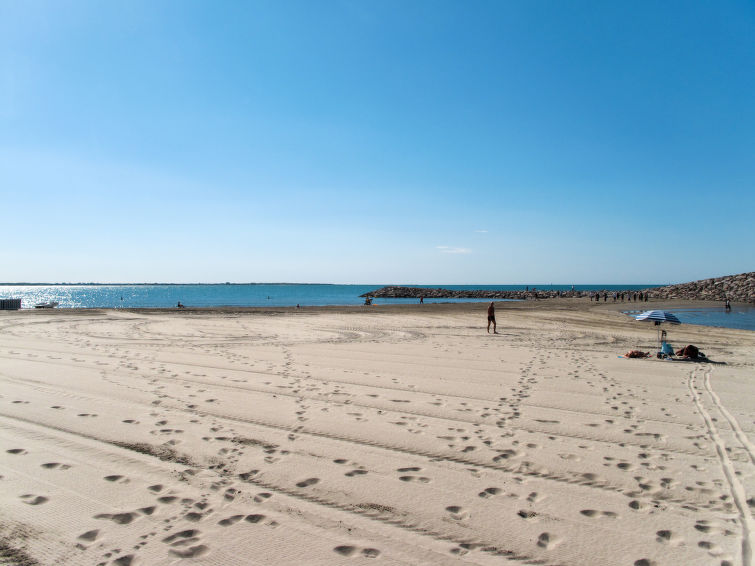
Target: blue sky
<point>377,142</point>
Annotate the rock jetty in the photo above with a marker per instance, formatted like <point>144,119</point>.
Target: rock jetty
<point>396,292</point>
<point>736,288</point>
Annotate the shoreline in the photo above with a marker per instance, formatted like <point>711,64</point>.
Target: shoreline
<point>581,303</point>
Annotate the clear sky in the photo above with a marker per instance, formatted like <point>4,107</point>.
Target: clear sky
<point>377,142</point>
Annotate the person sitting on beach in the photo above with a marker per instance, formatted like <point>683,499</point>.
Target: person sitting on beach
<point>179,305</point>
<point>491,317</point>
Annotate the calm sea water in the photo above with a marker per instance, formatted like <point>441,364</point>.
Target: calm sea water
<point>252,295</point>
<point>283,294</point>
<point>742,317</point>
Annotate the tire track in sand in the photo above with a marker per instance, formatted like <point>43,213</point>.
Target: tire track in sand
<point>737,490</point>
<point>738,432</point>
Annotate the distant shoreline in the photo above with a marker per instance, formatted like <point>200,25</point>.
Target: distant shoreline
<point>26,284</point>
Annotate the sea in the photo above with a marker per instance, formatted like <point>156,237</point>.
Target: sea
<point>238,295</point>
<point>161,295</point>
<point>741,316</point>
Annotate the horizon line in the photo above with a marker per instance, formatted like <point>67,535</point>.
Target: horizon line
<point>155,283</point>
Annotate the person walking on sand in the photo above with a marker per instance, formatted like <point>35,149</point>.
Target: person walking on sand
<point>491,317</point>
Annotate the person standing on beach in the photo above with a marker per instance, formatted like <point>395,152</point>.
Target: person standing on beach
<point>491,317</point>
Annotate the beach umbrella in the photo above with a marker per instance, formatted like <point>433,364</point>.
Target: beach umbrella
<point>658,318</point>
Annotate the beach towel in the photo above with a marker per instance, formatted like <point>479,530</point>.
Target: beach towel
<point>637,354</point>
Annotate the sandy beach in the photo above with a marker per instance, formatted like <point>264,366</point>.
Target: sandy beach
<point>372,435</point>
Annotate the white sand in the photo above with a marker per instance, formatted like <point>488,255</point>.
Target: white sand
<point>385,436</point>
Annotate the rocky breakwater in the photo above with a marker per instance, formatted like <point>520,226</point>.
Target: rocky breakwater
<point>737,288</point>
<point>396,292</point>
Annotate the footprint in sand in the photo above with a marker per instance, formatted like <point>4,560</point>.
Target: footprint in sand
<point>31,499</point>
<point>457,513</point>
<point>308,482</point>
<point>193,517</point>
<point>167,499</point>
<point>346,550</point>
<point>191,552</point>
<point>353,473</point>
<point>712,548</point>
<point>534,497</point>
<point>488,492</point>
<point>548,541</point>
<point>89,536</point>
<point>55,466</point>
<point>260,497</point>
<point>420,479</point>
<point>705,526</point>
<point>86,538</point>
<point>183,538</point>
<point>507,455</point>
<point>228,521</point>
<point>119,518</point>
<point>17,451</point>
<point>668,537</point>
<point>592,513</point>
<point>116,478</point>
<point>638,505</point>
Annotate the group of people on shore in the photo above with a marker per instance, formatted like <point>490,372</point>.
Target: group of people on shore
<point>624,295</point>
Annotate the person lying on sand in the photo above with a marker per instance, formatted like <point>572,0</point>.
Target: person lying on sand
<point>690,352</point>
